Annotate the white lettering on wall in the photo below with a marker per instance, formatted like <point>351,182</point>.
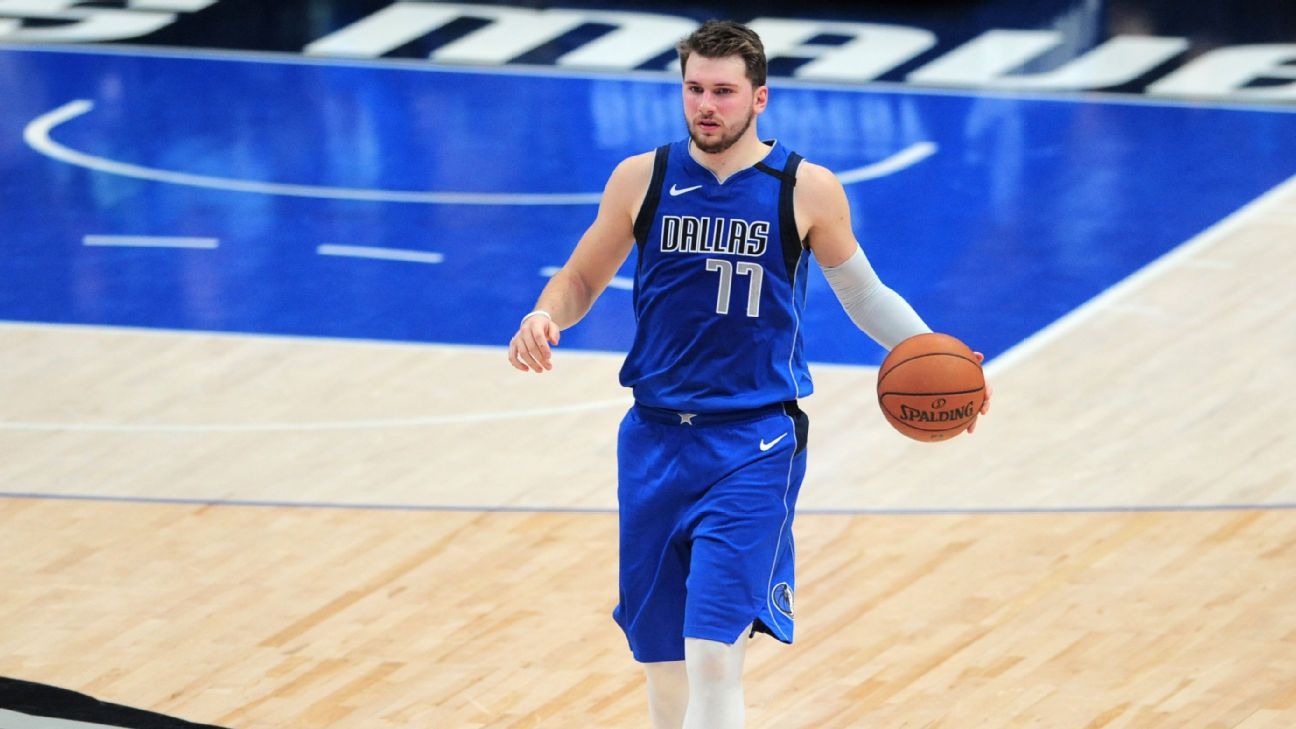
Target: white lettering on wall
<point>638,38</point>
<point>871,51</point>
<point>511,32</point>
<point>89,24</point>
<point>988,61</point>
<point>1227,72</point>
<point>861,52</point>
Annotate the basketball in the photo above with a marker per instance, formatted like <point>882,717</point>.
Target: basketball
<point>931,387</point>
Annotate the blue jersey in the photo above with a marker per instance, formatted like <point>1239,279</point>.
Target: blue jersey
<point>719,288</point>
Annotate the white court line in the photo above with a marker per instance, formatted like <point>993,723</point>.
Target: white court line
<point>1107,299</point>
<point>37,136</point>
<point>307,426</point>
<point>383,254</point>
<point>301,340</point>
<point>296,339</point>
<point>907,157</point>
<point>150,241</point>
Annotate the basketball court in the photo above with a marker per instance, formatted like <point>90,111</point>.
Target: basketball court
<point>265,463</point>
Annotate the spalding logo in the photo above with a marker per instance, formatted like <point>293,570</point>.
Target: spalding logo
<point>936,415</point>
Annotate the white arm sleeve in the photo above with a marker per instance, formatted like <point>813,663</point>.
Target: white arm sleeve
<point>877,310</point>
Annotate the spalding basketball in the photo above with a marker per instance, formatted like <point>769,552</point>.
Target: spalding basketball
<point>931,387</point>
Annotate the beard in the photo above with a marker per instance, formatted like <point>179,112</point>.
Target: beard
<point>725,141</point>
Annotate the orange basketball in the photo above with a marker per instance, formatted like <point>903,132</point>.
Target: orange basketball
<point>931,387</point>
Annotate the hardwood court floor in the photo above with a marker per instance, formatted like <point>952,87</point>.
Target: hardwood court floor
<point>252,617</point>
<point>1033,606</point>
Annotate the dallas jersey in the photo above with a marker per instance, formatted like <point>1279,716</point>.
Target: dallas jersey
<point>719,288</point>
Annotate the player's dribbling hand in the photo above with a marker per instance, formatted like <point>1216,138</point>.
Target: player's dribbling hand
<point>985,405</point>
<point>529,348</point>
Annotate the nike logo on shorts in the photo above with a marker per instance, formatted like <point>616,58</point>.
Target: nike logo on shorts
<point>766,446</point>
<point>675,192</point>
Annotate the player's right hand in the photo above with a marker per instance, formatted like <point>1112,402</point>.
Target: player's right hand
<point>529,348</point>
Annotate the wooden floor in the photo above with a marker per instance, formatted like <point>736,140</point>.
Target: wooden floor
<point>1115,547</point>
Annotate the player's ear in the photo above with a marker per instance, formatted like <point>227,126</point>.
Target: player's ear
<point>762,98</point>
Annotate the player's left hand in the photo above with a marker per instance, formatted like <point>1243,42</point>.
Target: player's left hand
<point>989,391</point>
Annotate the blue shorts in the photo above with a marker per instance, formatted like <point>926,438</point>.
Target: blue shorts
<point>706,510</point>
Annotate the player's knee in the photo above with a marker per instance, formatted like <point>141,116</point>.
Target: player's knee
<point>712,663</point>
<point>667,681</point>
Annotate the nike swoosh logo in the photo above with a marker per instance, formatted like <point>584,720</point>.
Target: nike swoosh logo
<point>674,191</point>
<point>766,446</point>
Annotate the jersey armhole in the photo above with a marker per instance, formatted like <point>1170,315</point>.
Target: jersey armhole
<point>647,211</point>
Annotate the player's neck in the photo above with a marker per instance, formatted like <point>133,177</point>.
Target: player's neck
<point>746,152</point>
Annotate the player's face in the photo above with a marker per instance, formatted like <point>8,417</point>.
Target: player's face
<point>719,101</point>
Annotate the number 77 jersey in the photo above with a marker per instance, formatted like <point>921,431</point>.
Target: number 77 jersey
<point>719,287</point>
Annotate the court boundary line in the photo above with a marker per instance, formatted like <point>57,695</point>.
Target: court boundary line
<point>425,421</point>
<point>663,76</point>
<point>273,337</point>
<point>24,426</point>
<point>610,511</point>
<point>303,426</point>
<point>1157,267</point>
<point>342,341</point>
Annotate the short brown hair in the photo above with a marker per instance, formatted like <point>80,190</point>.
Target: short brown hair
<point>723,38</point>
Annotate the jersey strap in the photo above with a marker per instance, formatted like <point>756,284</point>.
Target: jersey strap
<point>644,220</point>
<point>792,244</point>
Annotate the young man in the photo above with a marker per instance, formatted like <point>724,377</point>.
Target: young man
<point>712,454</point>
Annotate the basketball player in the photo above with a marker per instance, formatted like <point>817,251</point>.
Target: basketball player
<point>712,454</point>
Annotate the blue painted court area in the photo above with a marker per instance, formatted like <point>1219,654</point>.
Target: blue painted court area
<point>248,166</point>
